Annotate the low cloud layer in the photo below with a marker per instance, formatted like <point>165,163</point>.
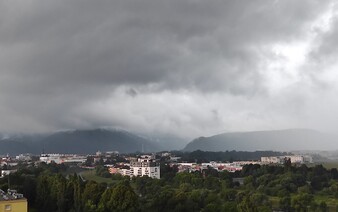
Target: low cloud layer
<point>184,68</point>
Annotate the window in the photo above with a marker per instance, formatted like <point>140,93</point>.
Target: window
<point>8,208</point>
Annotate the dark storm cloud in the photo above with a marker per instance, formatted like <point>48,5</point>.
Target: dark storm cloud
<point>66,64</point>
<point>180,42</point>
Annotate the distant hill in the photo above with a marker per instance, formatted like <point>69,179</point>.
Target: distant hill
<point>277,140</point>
<point>78,141</point>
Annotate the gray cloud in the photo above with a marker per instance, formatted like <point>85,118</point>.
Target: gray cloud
<point>180,67</point>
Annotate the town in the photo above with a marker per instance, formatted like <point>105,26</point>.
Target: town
<point>138,164</point>
<point>139,172</point>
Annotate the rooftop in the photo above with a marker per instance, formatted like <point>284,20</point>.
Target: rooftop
<point>10,195</point>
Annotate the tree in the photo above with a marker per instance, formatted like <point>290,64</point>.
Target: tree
<point>322,206</point>
<point>287,163</point>
<point>91,194</point>
<point>89,161</point>
<point>254,202</point>
<point>164,201</point>
<point>120,198</point>
<point>285,203</point>
<point>44,200</point>
<point>302,201</point>
<point>102,171</point>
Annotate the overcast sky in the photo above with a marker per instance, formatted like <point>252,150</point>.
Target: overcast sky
<point>174,67</point>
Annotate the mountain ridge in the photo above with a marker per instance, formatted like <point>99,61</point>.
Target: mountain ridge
<point>277,140</point>
<point>78,141</point>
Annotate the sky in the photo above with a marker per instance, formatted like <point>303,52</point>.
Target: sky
<point>183,68</point>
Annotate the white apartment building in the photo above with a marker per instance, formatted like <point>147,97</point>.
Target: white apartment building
<point>276,159</point>
<point>293,158</point>
<point>7,172</point>
<point>62,158</point>
<point>48,158</point>
<point>145,166</point>
<point>296,158</point>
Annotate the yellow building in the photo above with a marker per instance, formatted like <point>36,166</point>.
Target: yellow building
<point>12,201</point>
<point>13,205</point>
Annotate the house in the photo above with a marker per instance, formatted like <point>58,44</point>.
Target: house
<point>12,202</point>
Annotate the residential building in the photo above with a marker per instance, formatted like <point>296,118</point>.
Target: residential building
<point>7,172</point>
<point>12,202</point>
<point>300,159</point>
<point>145,166</point>
<point>275,159</point>
<point>62,158</point>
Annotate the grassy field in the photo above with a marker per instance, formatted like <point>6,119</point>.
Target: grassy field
<point>73,169</point>
<point>330,165</point>
<point>274,201</point>
<point>90,175</point>
<point>331,202</point>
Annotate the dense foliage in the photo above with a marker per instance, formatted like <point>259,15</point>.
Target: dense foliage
<point>255,188</point>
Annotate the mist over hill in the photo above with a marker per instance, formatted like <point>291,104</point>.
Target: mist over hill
<point>277,140</point>
<point>78,141</point>
<point>90,141</point>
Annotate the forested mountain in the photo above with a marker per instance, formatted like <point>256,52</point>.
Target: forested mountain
<point>78,141</point>
<point>278,140</point>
